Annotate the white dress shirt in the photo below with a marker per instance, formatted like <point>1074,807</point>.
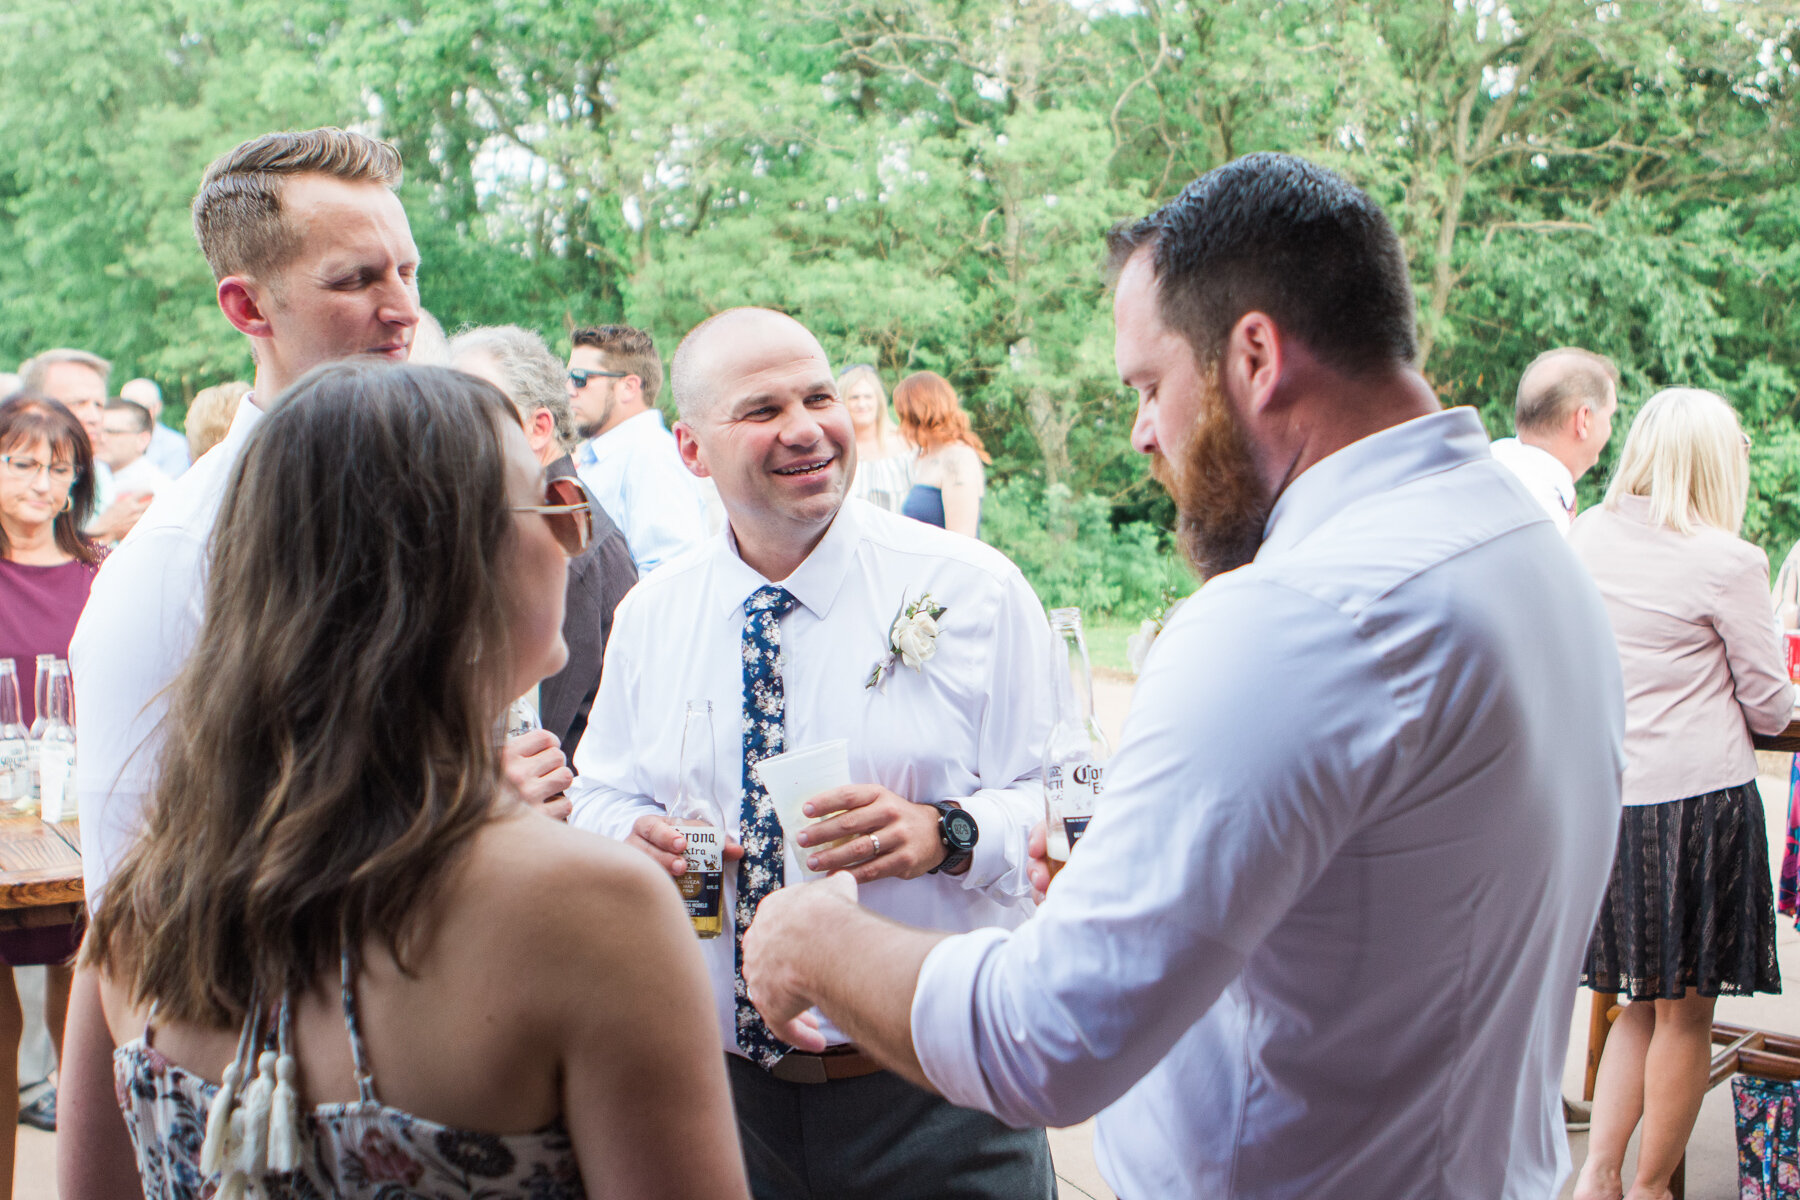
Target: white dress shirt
<point>140,475</point>
<point>168,450</point>
<point>635,472</point>
<point>140,623</point>
<point>970,727</point>
<point>1321,940</point>
<point>1543,475</point>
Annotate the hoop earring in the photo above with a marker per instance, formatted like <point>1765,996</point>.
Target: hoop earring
<point>68,503</point>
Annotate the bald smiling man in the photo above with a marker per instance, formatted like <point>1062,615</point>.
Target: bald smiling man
<point>779,622</point>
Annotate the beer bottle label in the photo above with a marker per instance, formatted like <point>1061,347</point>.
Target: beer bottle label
<point>1072,790</point>
<point>703,883</point>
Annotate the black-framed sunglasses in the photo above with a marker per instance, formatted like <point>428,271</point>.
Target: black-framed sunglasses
<point>569,511</point>
<point>580,378</point>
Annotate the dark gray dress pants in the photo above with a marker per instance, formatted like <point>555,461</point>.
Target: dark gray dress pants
<point>878,1137</point>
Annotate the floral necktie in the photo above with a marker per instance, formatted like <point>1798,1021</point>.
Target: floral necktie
<point>760,870</point>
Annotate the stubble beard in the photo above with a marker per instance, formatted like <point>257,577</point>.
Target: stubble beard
<point>1221,503</point>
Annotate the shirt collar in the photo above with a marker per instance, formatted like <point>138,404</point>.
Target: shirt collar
<point>247,417</point>
<point>620,437</point>
<point>1378,463</point>
<point>815,583</point>
<point>1552,467</point>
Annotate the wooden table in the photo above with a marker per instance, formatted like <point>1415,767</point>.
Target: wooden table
<point>40,872</point>
<point>1746,1051</point>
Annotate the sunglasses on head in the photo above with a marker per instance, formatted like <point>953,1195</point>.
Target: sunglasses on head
<point>580,378</point>
<point>569,511</point>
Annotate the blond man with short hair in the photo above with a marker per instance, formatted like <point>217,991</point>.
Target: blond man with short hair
<point>315,262</point>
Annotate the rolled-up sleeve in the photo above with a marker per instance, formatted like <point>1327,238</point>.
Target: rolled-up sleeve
<point>1221,811</point>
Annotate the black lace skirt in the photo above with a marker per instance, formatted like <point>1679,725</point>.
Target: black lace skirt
<point>1690,904</point>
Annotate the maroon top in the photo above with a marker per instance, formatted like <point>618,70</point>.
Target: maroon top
<point>38,610</point>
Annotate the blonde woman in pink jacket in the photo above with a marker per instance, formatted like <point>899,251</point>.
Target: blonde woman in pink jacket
<point>1689,914</point>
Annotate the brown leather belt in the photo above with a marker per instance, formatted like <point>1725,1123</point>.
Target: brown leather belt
<point>839,1062</point>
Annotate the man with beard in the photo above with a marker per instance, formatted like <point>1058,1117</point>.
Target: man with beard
<point>1322,936</point>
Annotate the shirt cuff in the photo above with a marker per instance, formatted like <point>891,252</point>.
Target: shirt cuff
<point>998,864</point>
<point>943,1017</point>
<point>610,815</point>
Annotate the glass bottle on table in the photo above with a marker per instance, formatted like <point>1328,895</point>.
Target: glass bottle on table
<point>15,742</point>
<point>1076,752</point>
<point>56,748</point>
<point>696,812</point>
<point>40,708</point>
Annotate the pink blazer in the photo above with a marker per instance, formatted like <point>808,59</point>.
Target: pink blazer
<point>1702,655</point>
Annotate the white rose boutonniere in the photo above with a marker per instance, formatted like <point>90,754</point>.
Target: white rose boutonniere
<point>1137,646</point>
<point>912,639</point>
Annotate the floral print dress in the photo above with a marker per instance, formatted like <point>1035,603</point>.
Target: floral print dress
<point>365,1149</point>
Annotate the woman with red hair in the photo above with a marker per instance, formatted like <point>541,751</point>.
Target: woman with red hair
<point>948,478</point>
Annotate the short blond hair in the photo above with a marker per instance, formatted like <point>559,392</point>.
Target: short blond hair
<point>1686,452</point>
<point>237,212</point>
<point>209,417</point>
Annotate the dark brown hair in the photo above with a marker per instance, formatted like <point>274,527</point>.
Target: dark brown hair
<point>330,743</point>
<point>627,349</point>
<point>27,419</point>
<point>931,416</point>
<point>237,212</point>
<point>1276,234</point>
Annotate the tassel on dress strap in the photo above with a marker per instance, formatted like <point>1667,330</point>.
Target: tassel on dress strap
<point>219,1149</point>
<point>284,1105</point>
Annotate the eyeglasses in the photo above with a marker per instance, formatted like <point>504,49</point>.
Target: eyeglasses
<point>580,378</point>
<point>569,511</point>
<point>24,467</point>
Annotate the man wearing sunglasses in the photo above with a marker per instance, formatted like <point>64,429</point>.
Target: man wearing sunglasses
<point>518,362</point>
<point>628,459</point>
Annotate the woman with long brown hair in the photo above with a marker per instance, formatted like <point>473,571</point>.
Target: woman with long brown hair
<point>949,477</point>
<point>345,960</point>
<point>47,566</point>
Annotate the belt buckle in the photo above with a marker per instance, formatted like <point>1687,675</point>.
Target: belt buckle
<point>800,1067</point>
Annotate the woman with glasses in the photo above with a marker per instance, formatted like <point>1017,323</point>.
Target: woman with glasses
<point>46,568</point>
<point>345,959</point>
<point>1689,912</point>
<point>884,461</point>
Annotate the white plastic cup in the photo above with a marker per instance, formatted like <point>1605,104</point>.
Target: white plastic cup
<point>793,778</point>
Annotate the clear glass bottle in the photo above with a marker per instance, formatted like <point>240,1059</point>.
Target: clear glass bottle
<point>15,742</point>
<point>1076,752</point>
<point>697,812</point>
<point>56,748</point>
<point>40,709</point>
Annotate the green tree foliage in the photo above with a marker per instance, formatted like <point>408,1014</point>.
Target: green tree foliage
<point>927,184</point>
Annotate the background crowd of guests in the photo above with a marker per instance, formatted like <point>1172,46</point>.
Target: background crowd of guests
<point>309,840</point>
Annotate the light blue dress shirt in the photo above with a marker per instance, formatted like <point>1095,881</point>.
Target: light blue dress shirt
<point>636,473</point>
<point>1322,937</point>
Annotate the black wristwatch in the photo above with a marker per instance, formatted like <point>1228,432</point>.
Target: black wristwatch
<point>959,833</point>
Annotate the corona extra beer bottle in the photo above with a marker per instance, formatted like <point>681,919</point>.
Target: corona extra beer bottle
<point>697,814</point>
<point>1075,754</point>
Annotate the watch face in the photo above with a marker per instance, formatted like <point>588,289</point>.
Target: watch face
<point>961,828</point>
